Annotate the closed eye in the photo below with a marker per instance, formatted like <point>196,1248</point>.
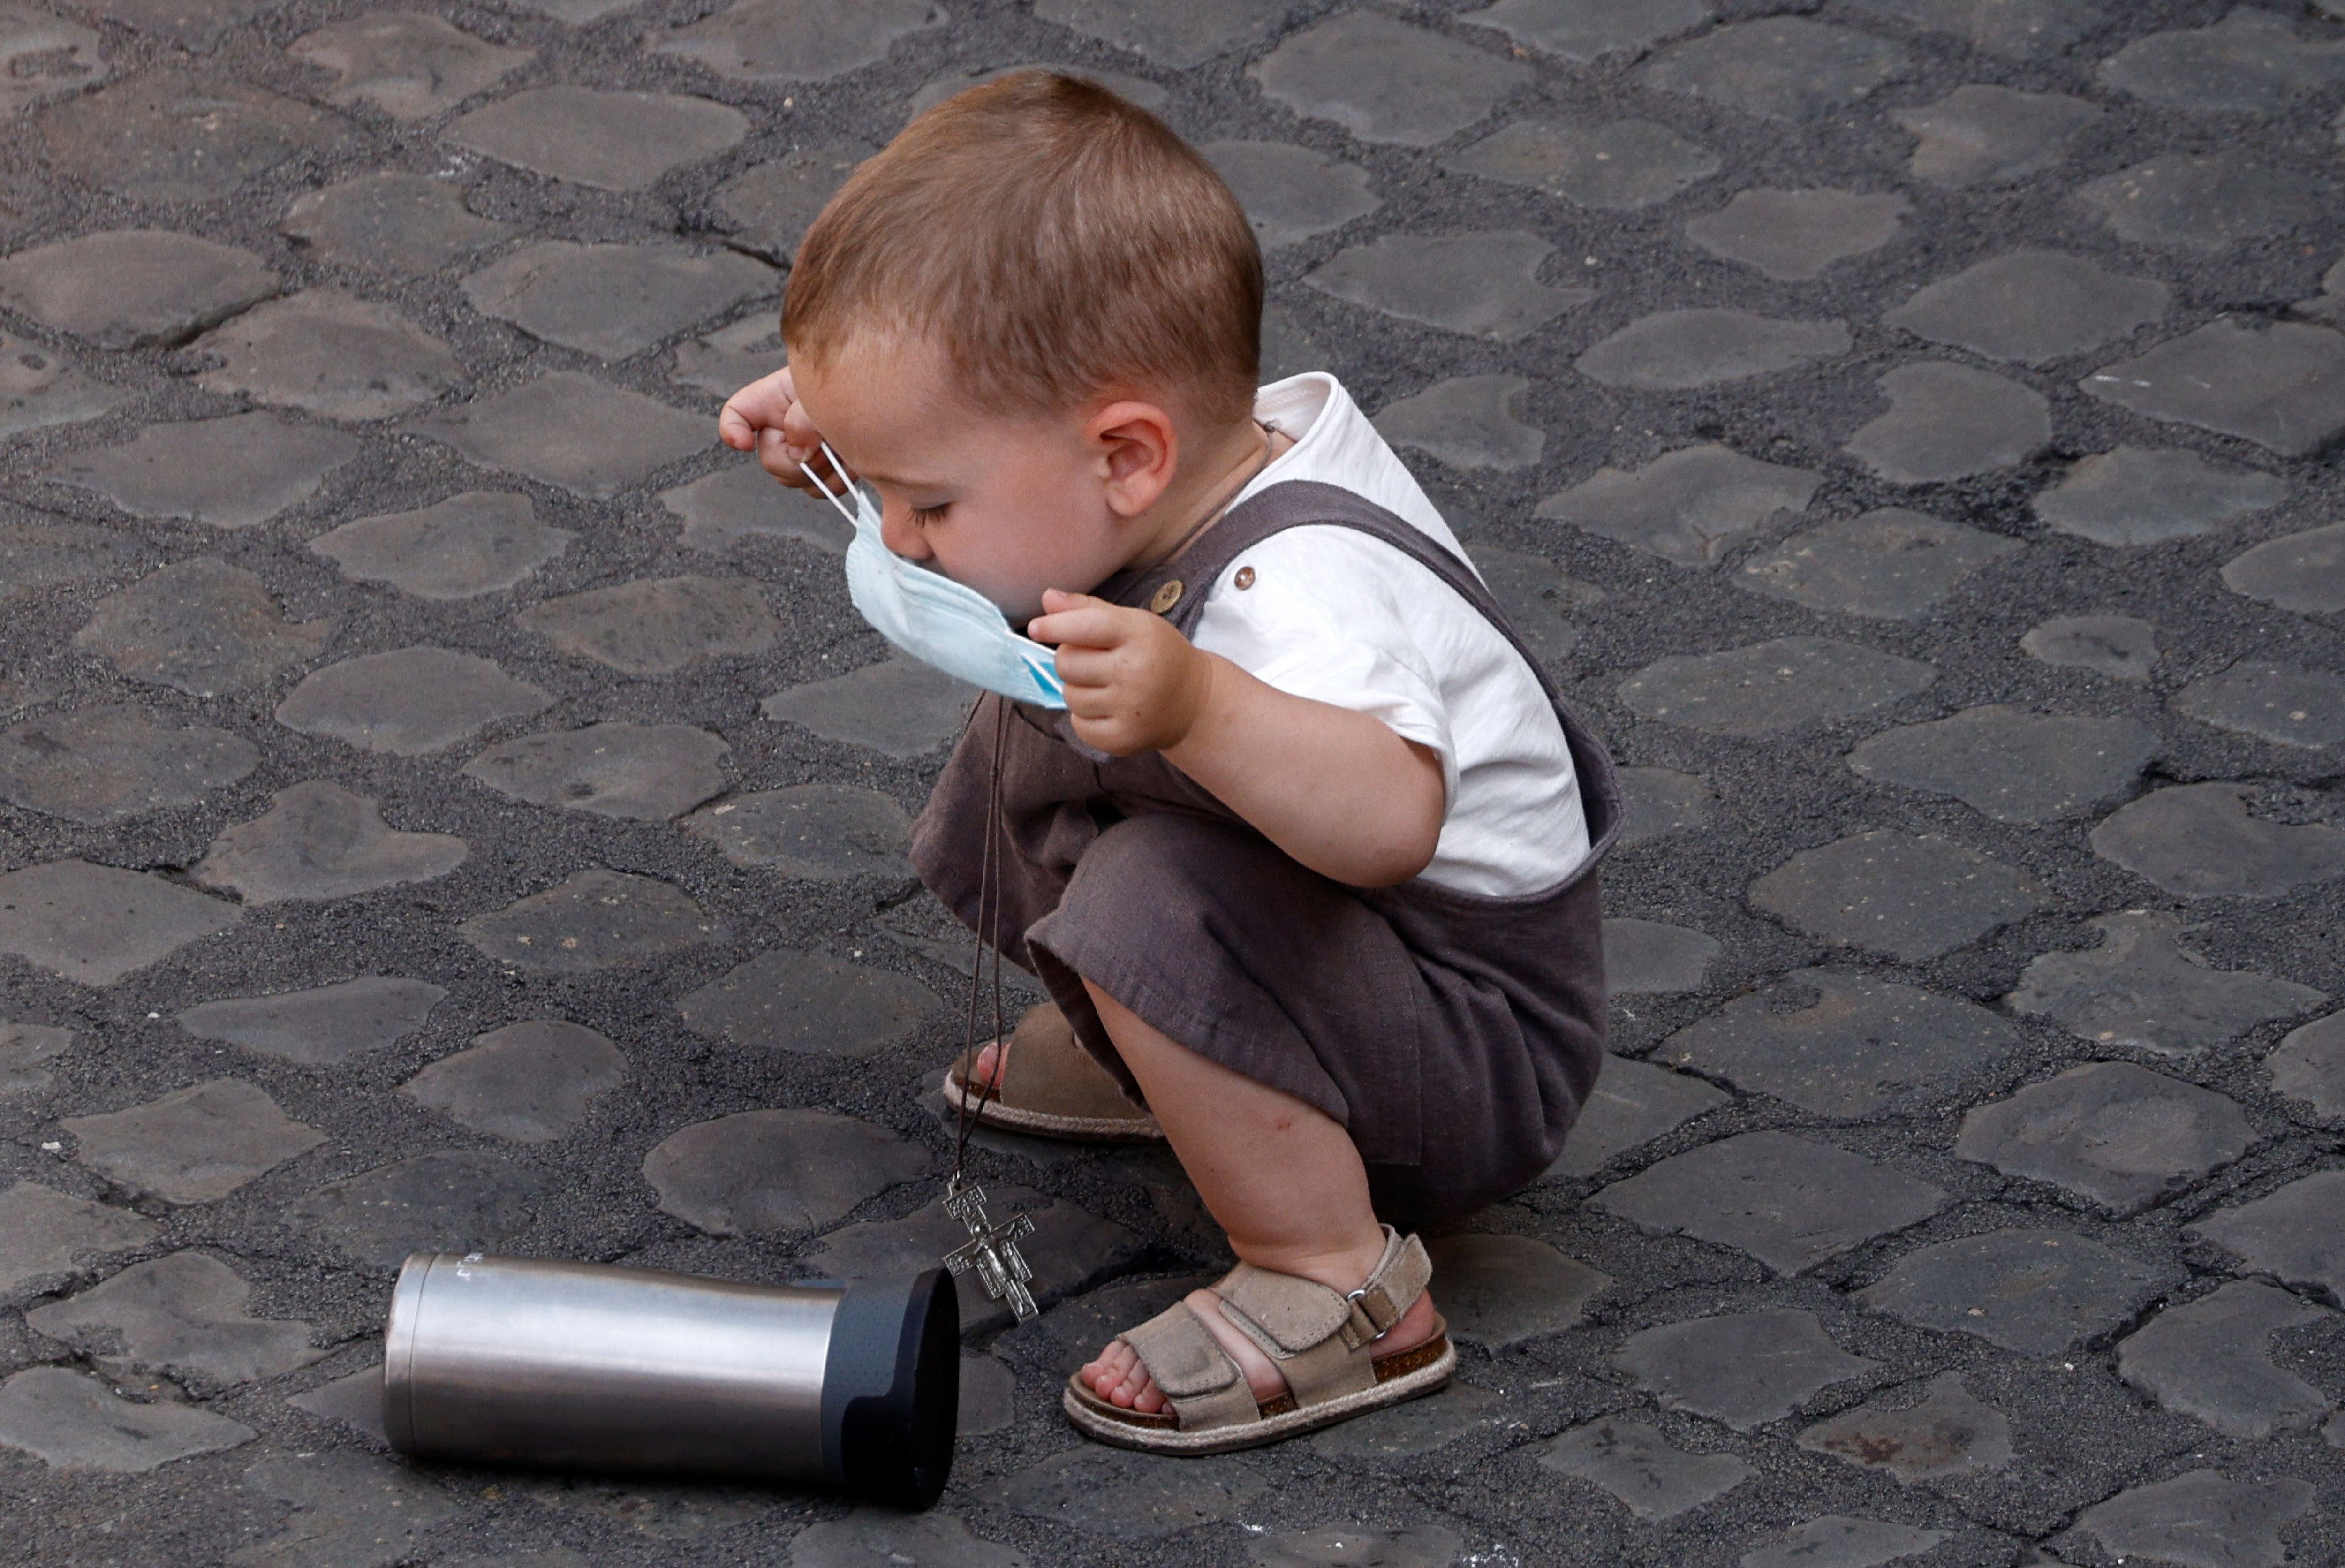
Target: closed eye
<point>924,517</point>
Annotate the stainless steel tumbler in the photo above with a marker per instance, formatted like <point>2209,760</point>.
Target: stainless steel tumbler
<point>578,1366</point>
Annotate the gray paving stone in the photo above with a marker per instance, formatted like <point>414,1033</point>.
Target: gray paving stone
<point>874,1537</point>
<point>1482,285</point>
<point>1538,599</point>
<point>1173,37</point>
<point>2200,1520</point>
<point>1674,351</point>
<point>1780,67</point>
<point>1643,957</point>
<point>1949,422</point>
<point>2032,307</point>
<point>989,1396</point>
<point>1745,1368</point>
<point>613,141</point>
<point>2033,1292</point>
<point>71,1422</point>
<point>332,354</point>
<point>1071,1248</point>
<point>2020,29</point>
<point>322,1027</point>
<point>231,472</point>
<point>657,626</point>
<point>1794,235</point>
<point>1498,1291</point>
<point>202,626</point>
<point>1128,1496</point>
<point>407,225</point>
<point>94,925</point>
<point>1633,1105</point>
<point>2200,841</point>
<point>44,57</point>
<point>768,208</point>
<point>134,288</point>
<point>1836,1541</point>
<point>2211,1359</point>
<point>319,840</point>
<point>2012,764</point>
<point>2250,62</point>
<point>2139,988</point>
<point>532,1083</point>
<point>26,1050</point>
<point>354,1401</point>
<point>1688,505</point>
<point>474,543</point>
<point>106,764</point>
<point>1915,896</point>
<point>1772,686</point>
<point>726,360</point>
<point>783,1000</point>
<point>589,438</point>
<point>597,919</point>
<point>1421,1546</point>
<point>825,832</point>
<point>2301,572</point>
<point>1586,30</point>
<point>1947,1432</point>
<point>1658,801</point>
<point>2309,1067</point>
<point>796,40</point>
<point>350,1510</point>
<point>1419,1427</point>
<point>1615,165</point>
<point>35,557</point>
<point>1983,135</point>
<point>194,1145</point>
<point>1150,95</point>
<point>898,707</point>
<point>767,1173</point>
<point>648,771</point>
<point>46,1237</point>
<point>170,135</point>
<point>2119,1135</point>
<point>576,13</point>
<point>407,702</point>
<point>461,1201</point>
<point>2279,702</point>
<point>1788,1202</point>
<point>1385,81</point>
<point>1842,1045</point>
<point>741,501</point>
<point>2209,205</point>
<point>1890,563</point>
<point>182,1315</point>
<point>196,26</point>
<point>2137,497</point>
<point>2330,305</point>
<point>614,300</point>
<point>2281,387</point>
<point>2118,646</point>
<point>410,65</point>
<point>39,389</point>
<point>1289,192</point>
<point>2297,1235</point>
<point>1467,421</point>
<point>1636,1465</point>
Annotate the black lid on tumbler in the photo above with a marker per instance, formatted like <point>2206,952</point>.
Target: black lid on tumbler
<point>891,1389</point>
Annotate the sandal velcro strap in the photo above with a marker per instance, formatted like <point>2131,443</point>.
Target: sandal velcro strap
<point>1191,1370</point>
<point>1286,1315</point>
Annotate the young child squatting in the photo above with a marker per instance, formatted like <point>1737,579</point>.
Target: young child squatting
<point>1308,862</point>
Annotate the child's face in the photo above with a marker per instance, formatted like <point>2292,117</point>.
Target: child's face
<point>1008,507</point>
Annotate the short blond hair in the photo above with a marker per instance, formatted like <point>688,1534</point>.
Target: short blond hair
<point>1056,241</point>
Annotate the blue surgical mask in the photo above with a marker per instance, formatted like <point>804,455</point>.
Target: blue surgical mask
<point>937,621</point>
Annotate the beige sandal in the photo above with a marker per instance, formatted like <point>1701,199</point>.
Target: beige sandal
<point>1323,1340</point>
<point>1049,1085</point>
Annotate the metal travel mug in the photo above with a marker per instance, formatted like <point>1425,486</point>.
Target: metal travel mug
<point>579,1366</point>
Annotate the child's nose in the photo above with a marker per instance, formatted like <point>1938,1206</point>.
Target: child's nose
<point>901,535</point>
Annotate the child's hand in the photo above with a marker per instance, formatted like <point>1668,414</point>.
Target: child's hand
<point>766,418</point>
<point>1133,683</point>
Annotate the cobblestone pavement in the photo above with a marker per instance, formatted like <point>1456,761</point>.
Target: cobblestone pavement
<point>448,800</point>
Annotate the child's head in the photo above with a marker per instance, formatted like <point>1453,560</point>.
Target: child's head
<point>1022,318</point>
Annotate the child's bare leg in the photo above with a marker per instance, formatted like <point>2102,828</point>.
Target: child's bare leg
<point>1284,1180</point>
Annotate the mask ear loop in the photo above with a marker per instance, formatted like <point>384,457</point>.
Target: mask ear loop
<point>839,500</point>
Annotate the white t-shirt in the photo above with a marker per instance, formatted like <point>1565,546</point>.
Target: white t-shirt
<point>1341,617</point>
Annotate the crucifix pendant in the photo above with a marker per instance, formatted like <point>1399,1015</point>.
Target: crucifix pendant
<point>991,1249</point>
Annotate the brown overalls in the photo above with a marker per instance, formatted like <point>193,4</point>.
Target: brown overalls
<point>1454,1036</point>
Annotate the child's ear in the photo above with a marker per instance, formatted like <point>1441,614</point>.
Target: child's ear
<point>1138,450</point>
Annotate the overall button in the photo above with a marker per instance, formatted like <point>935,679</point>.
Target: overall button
<point>1166,596</point>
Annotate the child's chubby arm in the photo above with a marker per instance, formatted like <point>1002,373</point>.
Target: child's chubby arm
<point>1338,790</point>
<point>766,418</point>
